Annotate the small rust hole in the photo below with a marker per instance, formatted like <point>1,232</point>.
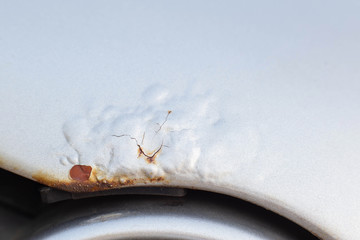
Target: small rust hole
<point>80,172</point>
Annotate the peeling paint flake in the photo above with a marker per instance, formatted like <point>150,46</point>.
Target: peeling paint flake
<point>80,172</point>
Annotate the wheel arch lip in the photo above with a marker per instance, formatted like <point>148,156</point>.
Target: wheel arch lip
<point>187,217</point>
<point>258,198</point>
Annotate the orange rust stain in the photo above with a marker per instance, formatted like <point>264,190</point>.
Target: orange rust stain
<point>80,172</point>
<point>93,184</point>
<point>150,157</point>
<point>151,160</point>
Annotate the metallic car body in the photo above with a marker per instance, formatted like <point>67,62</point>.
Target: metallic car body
<point>257,100</point>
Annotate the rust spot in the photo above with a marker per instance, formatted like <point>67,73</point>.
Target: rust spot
<point>84,179</point>
<point>80,172</point>
<point>158,179</point>
<point>7,164</point>
<point>149,157</point>
<point>93,184</point>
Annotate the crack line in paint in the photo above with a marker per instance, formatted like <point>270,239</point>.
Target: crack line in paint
<point>149,158</point>
<point>166,118</point>
<point>89,141</point>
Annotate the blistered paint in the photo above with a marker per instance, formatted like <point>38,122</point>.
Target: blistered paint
<point>163,136</point>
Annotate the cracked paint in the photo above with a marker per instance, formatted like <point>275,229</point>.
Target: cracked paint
<point>154,141</point>
<point>149,156</point>
<point>162,139</point>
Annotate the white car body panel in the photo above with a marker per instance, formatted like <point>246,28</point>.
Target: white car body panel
<point>264,100</point>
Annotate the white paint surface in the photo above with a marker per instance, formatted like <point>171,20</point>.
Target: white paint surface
<point>265,98</point>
